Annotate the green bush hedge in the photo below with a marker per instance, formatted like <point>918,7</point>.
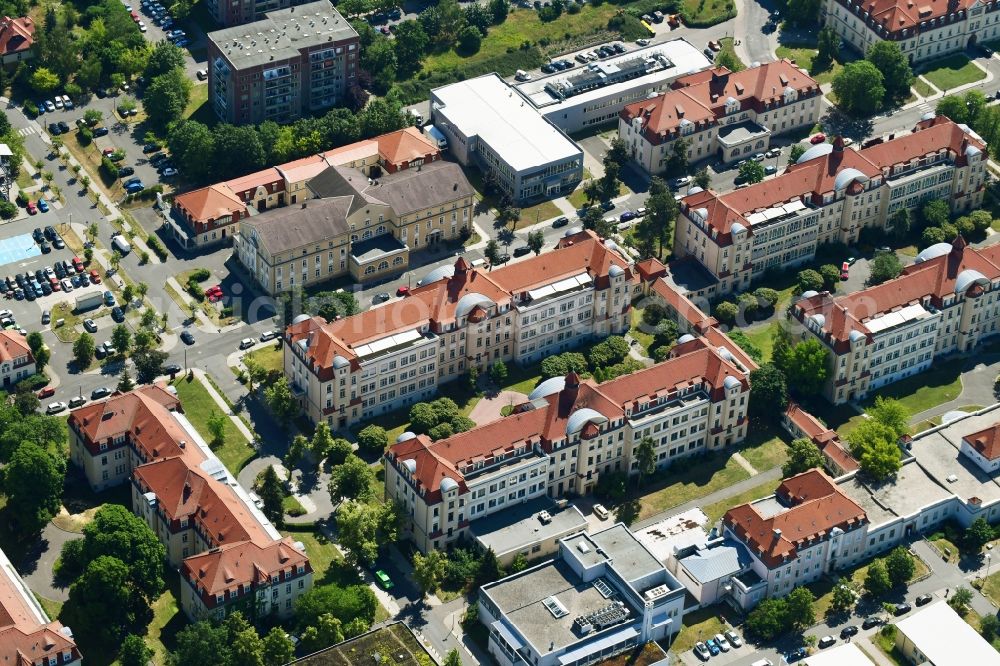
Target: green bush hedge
<point>156,246</point>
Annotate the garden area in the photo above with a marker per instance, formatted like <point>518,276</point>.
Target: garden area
<point>688,479</point>
<point>199,408</point>
<point>699,625</point>
<point>954,71</point>
<point>804,56</point>
<point>926,390</point>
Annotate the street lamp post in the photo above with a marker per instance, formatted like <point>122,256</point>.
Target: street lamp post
<point>987,565</point>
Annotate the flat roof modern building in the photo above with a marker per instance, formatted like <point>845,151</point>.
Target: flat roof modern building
<point>602,595</point>
<point>847,654</point>
<point>292,62</point>
<point>489,125</point>
<point>593,94</point>
<point>532,530</point>
<point>938,636</point>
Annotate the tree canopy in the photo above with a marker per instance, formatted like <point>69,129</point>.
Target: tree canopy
<point>33,484</point>
<point>860,88</point>
<point>802,455</point>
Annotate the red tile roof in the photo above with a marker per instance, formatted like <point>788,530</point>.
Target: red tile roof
<point>826,439</point>
<point>432,306</point>
<point>814,507</point>
<point>701,98</point>
<point>16,34</point>
<point>232,566</point>
<point>210,203</point>
<point>931,280</point>
<point>986,441</point>
<point>545,421</point>
<point>888,17</point>
<point>809,181</point>
<point>406,145</point>
<point>14,347</point>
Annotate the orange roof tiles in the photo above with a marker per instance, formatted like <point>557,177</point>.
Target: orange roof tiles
<point>231,566</point>
<point>701,98</point>
<point>896,15</point>
<point>435,304</point>
<point>826,439</point>
<point>16,34</point>
<point>814,506</point>
<point>252,181</point>
<point>405,146</point>
<point>810,180</point>
<point>209,203</point>
<point>986,442</point>
<point>545,421</point>
<point>14,346</point>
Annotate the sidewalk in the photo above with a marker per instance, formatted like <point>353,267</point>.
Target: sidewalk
<point>223,405</point>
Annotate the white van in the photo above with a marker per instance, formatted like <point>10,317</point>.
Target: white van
<point>123,246</point>
<point>601,512</point>
<point>418,118</point>
<point>762,662</point>
<point>522,75</point>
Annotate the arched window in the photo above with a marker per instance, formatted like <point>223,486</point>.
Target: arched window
<point>382,265</point>
<point>369,270</point>
<point>367,234</point>
<point>380,230</point>
<point>397,261</point>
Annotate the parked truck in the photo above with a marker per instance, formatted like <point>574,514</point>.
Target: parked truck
<point>437,136</point>
<point>89,301</point>
<point>123,246</point>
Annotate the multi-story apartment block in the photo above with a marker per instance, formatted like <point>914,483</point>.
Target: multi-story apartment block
<point>828,195</point>
<point>604,594</point>
<point>923,31</point>
<point>208,215</point>
<point>721,114</point>
<point>294,62</point>
<point>809,528</point>
<point>16,359</point>
<point>564,437</point>
<point>357,225</point>
<point>27,636</point>
<point>945,302</point>
<point>229,555</point>
<point>458,317</point>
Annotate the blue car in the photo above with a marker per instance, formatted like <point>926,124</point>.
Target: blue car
<point>109,299</point>
<point>182,42</point>
<point>713,647</point>
<point>133,188</point>
<point>796,655</point>
<point>43,205</point>
<point>41,108</point>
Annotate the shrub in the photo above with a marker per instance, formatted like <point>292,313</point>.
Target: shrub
<point>156,246</point>
<point>109,168</point>
<point>195,289</point>
<point>7,210</point>
<point>200,274</point>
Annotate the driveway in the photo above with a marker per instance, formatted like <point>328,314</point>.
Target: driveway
<point>488,409</point>
<point>39,565</point>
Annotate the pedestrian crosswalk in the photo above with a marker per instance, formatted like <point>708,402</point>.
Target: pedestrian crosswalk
<point>27,131</point>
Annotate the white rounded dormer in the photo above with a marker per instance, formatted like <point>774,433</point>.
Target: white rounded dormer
<point>410,465</point>
<point>340,362</point>
<point>819,150</point>
<point>616,271</point>
<point>687,337</point>
<point>809,293</point>
<point>548,387</point>
<point>582,417</point>
<point>448,483</point>
<point>301,318</point>
<point>471,300</point>
<point>933,252</point>
<point>405,436</point>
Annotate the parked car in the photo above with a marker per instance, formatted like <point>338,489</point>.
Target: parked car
<point>796,655</point>
<point>118,314</point>
<point>187,337</point>
<point>201,74</point>
<point>849,630</point>
<point>403,290</point>
<point>31,208</point>
<point>125,171</point>
<point>845,271</point>
<point>560,222</point>
<point>826,642</point>
<point>55,407</point>
<point>903,608</point>
<point>100,392</point>
<point>46,392</point>
<point>268,335</point>
<point>90,325</point>
<point>521,251</point>
<point>601,512</point>
<point>817,138</point>
<point>246,343</point>
<point>100,131</point>
<point>924,599</point>
<point>46,317</point>
<point>713,648</point>
<point>770,170</point>
<point>678,183</point>
<point>383,579</point>
<point>109,298</point>
<point>720,640</point>
<point>734,639</point>
<point>54,129</point>
<point>77,402</point>
<point>95,277</point>
<point>381,297</point>
<point>627,216</point>
<point>169,172</point>
<point>171,369</point>
<point>701,651</point>
<point>58,243</point>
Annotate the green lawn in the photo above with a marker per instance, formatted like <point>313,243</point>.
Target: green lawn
<point>923,88</point>
<point>888,647</point>
<point>842,418</point>
<point>198,406</point>
<point>645,339</point>
<point>270,357</point>
<point>727,47</point>
<point>991,587</point>
<point>952,72</point>
<point>699,625</point>
<point>942,544</point>
<point>524,26</point>
<point>765,448</point>
<point>578,199</point>
<point>687,483</point>
<point>199,98</point>
<point>935,421</point>
<point>923,391</point>
<point>540,212</point>
<point>322,552</point>
<point>823,589</point>
<point>763,338</point>
<point>52,608</point>
<point>718,509</point>
<point>707,12</point>
<point>804,55</point>
<point>167,620</point>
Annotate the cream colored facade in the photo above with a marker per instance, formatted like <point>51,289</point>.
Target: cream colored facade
<point>923,32</point>
<point>271,598</point>
<point>740,235</point>
<point>603,427</point>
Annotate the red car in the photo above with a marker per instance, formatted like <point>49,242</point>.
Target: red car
<point>46,392</point>
<point>77,264</point>
<point>32,208</point>
<point>403,291</point>
<point>214,290</point>
<point>845,271</point>
<point>817,138</point>
<point>95,277</point>
<point>108,152</point>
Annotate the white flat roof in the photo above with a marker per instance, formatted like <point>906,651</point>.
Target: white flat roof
<point>489,108</point>
<point>946,639</point>
<point>686,60</point>
<point>680,531</point>
<point>847,654</point>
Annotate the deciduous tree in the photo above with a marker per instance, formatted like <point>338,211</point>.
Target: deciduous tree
<point>428,570</point>
<point>768,393</point>
<point>279,398</point>
<point>362,527</point>
<point>885,266</point>
<point>352,480</point>
<point>877,582</point>
<point>751,172</point>
<point>373,439</point>
<point>860,88</point>
<point>802,455</point>
<point>897,75</point>
<point>272,495</point>
<point>33,484</point>
<point>900,566</point>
